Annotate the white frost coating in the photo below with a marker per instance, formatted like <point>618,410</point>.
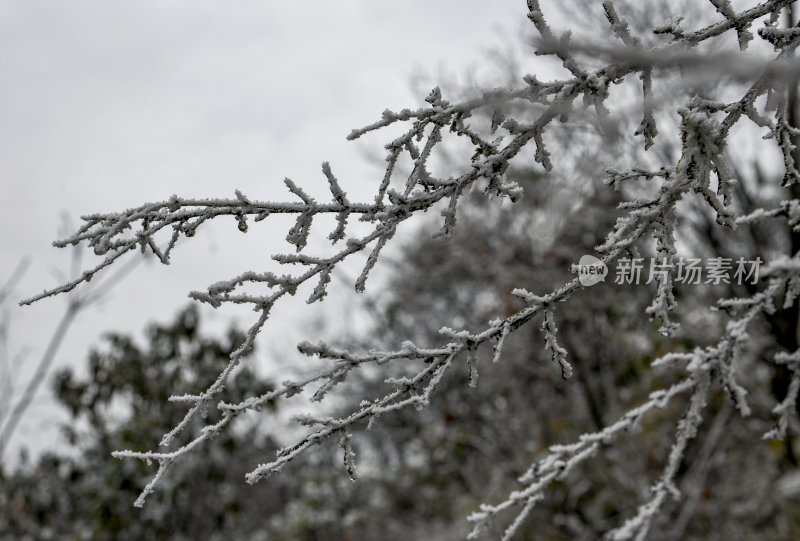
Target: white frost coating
<point>699,170</point>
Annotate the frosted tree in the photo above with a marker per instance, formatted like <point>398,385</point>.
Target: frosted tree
<point>698,102</point>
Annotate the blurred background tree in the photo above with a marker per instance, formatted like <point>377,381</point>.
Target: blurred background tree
<point>81,492</point>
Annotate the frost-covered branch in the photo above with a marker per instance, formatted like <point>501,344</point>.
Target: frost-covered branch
<point>700,169</point>
<point>701,364</point>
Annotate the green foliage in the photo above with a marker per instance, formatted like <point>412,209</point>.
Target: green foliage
<point>84,493</point>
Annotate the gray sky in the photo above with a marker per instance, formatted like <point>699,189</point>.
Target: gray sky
<point>106,105</point>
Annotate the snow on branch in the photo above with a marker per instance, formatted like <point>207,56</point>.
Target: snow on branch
<point>561,460</point>
<point>559,354</point>
<point>700,169</point>
<point>784,409</point>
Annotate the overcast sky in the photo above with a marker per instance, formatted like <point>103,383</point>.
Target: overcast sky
<point>106,105</point>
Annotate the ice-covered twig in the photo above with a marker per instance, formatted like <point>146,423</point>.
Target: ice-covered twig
<point>701,169</point>
<point>701,364</point>
<point>785,408</point>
